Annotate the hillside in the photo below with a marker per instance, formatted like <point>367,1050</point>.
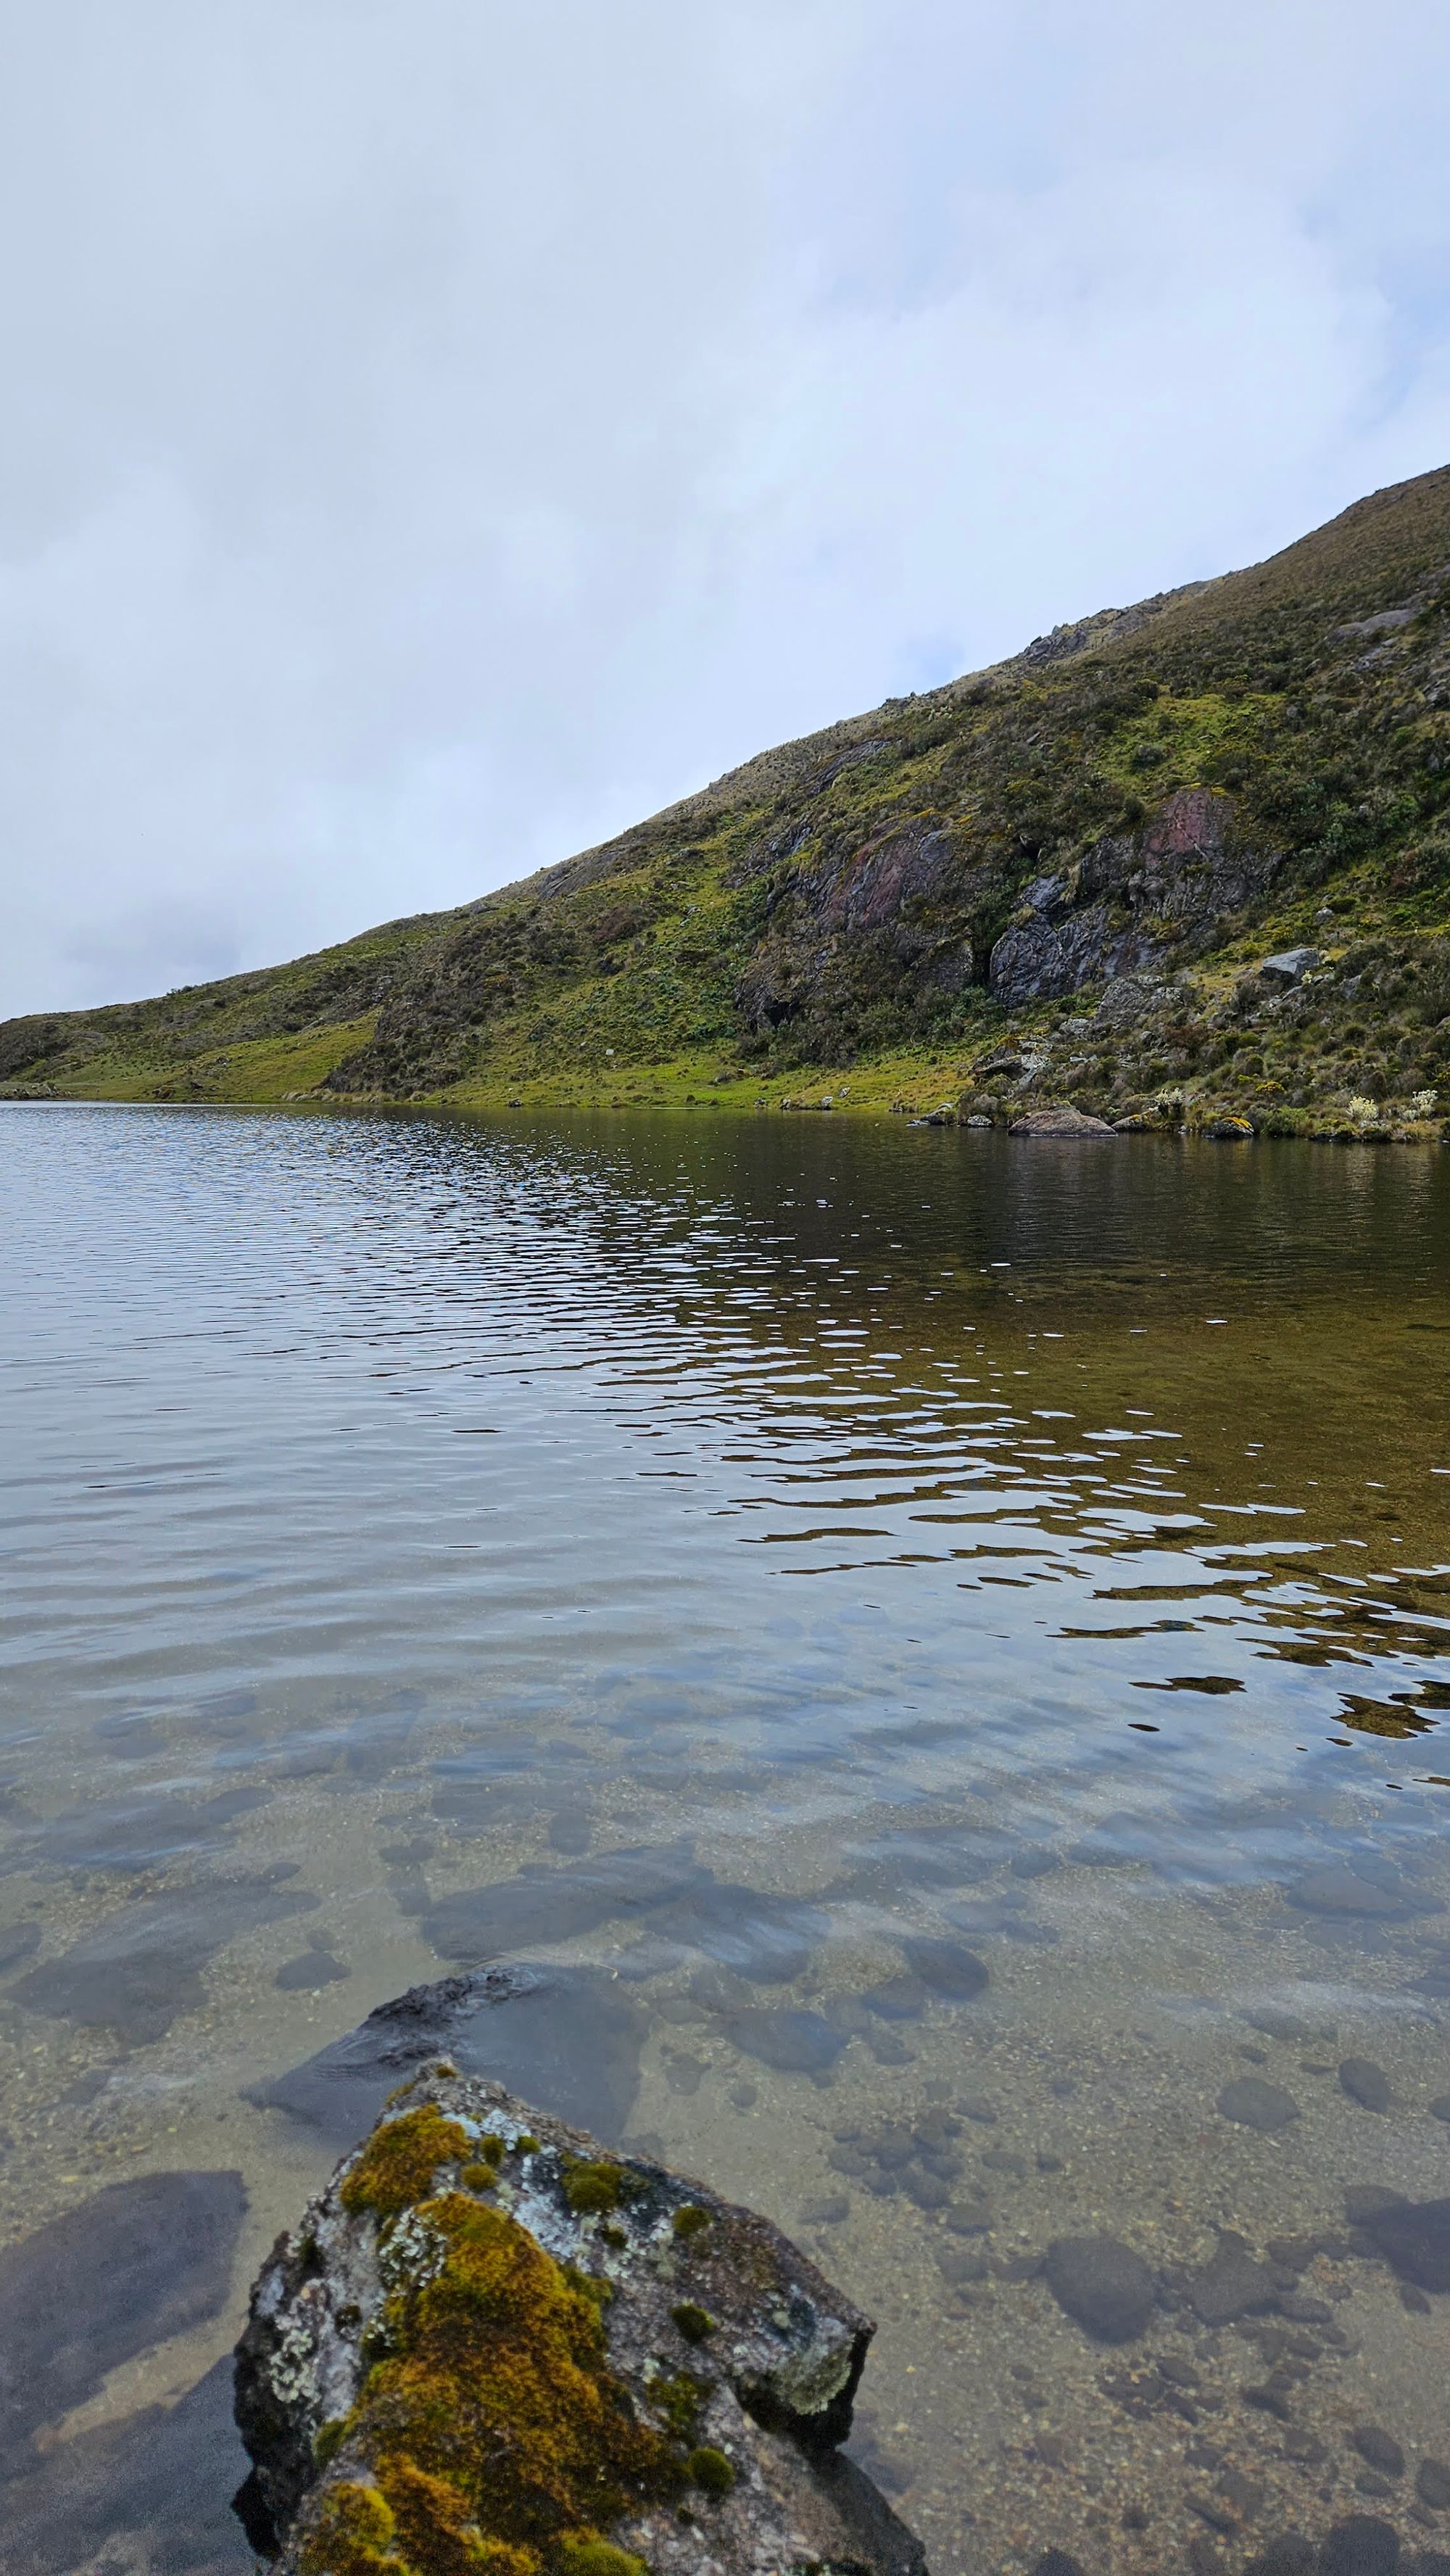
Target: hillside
<point>1054,880</point>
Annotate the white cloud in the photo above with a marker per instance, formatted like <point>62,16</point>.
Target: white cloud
<point>434,438</point>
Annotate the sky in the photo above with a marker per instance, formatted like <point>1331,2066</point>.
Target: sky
<point>435,436</point>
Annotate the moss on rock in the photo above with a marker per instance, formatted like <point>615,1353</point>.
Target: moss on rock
<point>497,2438</point>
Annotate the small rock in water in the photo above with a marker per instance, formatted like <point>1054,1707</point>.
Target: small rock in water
<point>1365,2083</point>
<point>969,2217</point>
<point>793,2041</point>
<point>1232,2284</point>
<point>1102,2285</point>
<point>1278,2025</point>
<point>948,1967</point>
<point>1379,2450</point>
<point>1288,2554</point>
<point>1414,2238</point>
<point>1432,2484</point>
<point>315,1968</point>
<point>1440,2107</point>
<point>1056,2562</point>
<point>900,1998</point>
<point>959,2264</point>
<point>828,2211</point>
<point>1361,2545</point>
<point>925,2189</point>
<point>1255,2104</point>
<point>975,2106</point>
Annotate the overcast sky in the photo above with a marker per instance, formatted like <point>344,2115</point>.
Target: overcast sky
<point>435,434</point>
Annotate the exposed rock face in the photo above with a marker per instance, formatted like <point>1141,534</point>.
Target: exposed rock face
<point>1131,898</point>
<point>491,2345</point>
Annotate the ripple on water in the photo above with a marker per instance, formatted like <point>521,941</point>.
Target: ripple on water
<point>909,1721</point>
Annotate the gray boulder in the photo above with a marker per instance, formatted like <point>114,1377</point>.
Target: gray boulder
<point>488,2335</point>
<point>1290,966</point>
<point>1062,1122</point>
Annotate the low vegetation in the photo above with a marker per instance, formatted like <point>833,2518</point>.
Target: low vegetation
<point>1055,880</point>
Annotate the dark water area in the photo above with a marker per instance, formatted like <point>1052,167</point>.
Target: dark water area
<point>907,1671</point>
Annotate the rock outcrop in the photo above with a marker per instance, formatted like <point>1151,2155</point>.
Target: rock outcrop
<point>1130,901</point>
<point>492,2346</point>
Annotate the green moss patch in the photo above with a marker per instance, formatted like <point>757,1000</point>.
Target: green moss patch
<point>398,2163</point>
<point>498,2440</point>
<point>695,2323</point>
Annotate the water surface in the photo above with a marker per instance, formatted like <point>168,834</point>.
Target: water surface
<point>937,1645</point>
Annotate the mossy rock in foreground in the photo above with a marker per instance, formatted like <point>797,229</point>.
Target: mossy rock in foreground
<point>469,2360</point>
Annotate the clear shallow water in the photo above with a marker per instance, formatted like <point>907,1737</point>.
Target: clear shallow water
<point>721,1558</point>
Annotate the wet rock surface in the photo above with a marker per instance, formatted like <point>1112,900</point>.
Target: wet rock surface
<point>722,2363</point>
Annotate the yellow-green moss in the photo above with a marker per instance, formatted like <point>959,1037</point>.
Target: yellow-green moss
<point>710,2471</point>
<point>500,2442</point>
<point>328,2439</point>
<point>695,2323</point>
<point>583,2554</point>
<point>398,2163</point>
<point>689,2220</point>
<point>589,2187</point>
<point>480,2177</point>
<point>680,2399</point>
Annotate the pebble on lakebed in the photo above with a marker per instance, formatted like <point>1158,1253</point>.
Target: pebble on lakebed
<point>493,2343</point>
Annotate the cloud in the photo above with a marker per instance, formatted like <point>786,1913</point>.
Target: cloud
<point>435,438</point>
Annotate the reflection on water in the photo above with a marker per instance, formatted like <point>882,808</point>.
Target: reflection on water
<point>934,1649</point>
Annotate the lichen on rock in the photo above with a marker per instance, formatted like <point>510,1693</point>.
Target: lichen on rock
<point>492,2350</point>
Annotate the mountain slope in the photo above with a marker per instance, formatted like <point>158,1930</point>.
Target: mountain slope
<point>1054,879</point>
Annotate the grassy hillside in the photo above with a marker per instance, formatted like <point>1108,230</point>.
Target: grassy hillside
<point>1054,880</point>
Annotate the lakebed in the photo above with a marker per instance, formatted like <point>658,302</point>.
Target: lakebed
<point>935,1648</point>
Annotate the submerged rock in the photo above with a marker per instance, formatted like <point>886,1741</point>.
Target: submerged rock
<point>1102,2284</point>
<point>1414,2238</point>
<point>1232,2284</point>
<point>1255,2104</point>
<point>492,2345</point>
<point>1365,2083</point>
<point>571,2037</point>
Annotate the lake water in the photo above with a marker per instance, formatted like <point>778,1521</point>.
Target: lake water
<point>939,1647</point>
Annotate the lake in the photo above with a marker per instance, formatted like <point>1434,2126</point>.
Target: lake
<point>937,1649</point>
